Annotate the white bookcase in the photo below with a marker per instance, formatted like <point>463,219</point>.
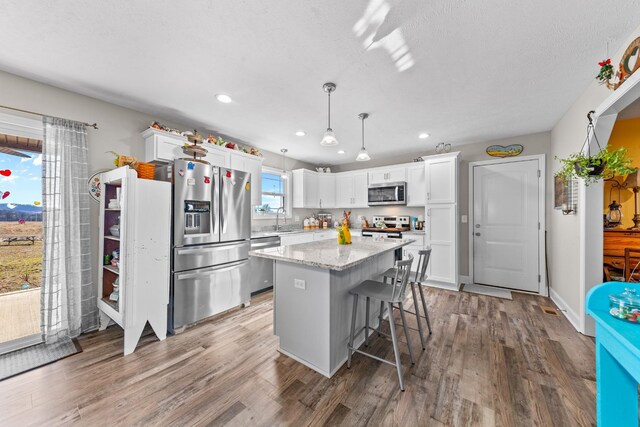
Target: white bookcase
<point>143,268</point>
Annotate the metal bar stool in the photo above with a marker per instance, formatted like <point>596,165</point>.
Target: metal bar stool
<point>421,271</point>
<point>389,295</point>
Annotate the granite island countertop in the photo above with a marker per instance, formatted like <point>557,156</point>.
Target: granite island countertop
<point>328,254</point>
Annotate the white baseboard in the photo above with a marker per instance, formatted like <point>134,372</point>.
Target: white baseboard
<point>442,285</point>
<point>571,315</point>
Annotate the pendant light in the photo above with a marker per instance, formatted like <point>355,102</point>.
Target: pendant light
<point>284,170</point>
<point>329,137</point>
<point>363,156</point>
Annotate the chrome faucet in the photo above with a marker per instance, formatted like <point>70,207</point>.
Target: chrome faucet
<point>278,217</point>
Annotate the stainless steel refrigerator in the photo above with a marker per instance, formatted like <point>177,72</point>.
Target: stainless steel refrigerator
<point>211,240</point>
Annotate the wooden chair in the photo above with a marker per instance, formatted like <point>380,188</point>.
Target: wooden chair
<point>631,264</point>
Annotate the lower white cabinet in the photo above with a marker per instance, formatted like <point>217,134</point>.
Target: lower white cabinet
<point>413,248</point>
<point>442,236</point>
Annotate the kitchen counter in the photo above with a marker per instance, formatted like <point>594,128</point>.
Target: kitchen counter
<point>328,254</point>
<point>311,299</point>
<point>271,233</point>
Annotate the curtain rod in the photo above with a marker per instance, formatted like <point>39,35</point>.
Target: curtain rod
<point>94,125</point>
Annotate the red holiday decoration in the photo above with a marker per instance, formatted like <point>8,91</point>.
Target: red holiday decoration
<point>5,172</point>
<point>5,194</point>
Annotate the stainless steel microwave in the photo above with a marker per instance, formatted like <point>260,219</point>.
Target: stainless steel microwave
<point>390,193</point>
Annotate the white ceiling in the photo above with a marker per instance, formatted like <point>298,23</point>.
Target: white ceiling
<point>463,71</point>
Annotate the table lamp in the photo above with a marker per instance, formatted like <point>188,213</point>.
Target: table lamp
<point>633,182</point>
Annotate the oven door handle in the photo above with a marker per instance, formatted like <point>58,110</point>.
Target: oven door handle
<point>207,271</point>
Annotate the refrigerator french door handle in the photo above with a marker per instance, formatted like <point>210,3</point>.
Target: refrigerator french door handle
<point>190,250</point>
<point>207,271</point>
<point>216,203</point>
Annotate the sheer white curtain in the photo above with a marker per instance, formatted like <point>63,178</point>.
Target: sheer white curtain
<point>66,272</point>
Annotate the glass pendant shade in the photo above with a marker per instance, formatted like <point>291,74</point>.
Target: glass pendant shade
<point>363,156</point>
<point>329,138</point>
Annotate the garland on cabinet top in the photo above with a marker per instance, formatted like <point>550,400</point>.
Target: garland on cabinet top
<point>211,139</point>
<point>629,64</point>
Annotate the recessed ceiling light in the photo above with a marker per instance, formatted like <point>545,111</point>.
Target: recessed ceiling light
<point>225,99</point>
<point>340,151</point>
<point>301,133</point>
<point>423,136</point>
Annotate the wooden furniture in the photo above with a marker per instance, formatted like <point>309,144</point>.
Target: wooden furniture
<point>617,359</point>
<point>615,243</point>
<point>632,264</point>
<point>142,270</point>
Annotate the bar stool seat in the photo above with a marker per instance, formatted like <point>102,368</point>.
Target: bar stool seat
<point>388,294</point>
<point>421,274</point>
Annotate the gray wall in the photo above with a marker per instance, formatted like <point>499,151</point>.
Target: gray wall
<point>539,143</point>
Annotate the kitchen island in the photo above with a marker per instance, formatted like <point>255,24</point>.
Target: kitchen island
<point>312,304</point>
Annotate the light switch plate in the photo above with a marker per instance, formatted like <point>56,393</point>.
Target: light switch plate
<point>464,219</point>
<point>297,218</point>
<point>300,284</point>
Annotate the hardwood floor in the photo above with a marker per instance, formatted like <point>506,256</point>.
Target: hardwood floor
<point>489,362</point>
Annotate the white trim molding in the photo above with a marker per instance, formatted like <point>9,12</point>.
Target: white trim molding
<point>571,315</point>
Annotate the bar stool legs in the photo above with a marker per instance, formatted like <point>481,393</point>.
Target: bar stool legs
<point>354,313</point>
<point>366,325</point>
<point>424,307</point>
<point>415,306</point>
<point>396,350</point>
<point>406,331</point>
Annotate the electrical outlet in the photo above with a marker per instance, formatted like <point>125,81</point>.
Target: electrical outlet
<point>297,218</point>
<point>300,284</point>
<point>464,219</point>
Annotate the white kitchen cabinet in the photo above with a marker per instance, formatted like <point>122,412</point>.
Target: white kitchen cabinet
<point>305,189</point>
<point>416,186</point>
<point>351,189</point>
<point>414,248</point>
<point>295,238</point>
<point>217,156</point>
<point>326,190</point>
<point>140,270</point>
<point>253,165</point>
<point>385,175</point>
<point>162,147</point>
<point>441,178</point>
<point>442,237</point>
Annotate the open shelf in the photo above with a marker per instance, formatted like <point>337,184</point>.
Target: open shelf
<point>113,304</point>
<point>112,269</point>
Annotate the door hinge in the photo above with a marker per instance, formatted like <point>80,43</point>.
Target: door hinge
<point>539,278</point>
<point>538,173</point>
<point>538,226</point>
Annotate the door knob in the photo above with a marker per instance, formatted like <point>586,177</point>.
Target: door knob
<point>477,225</point>
<point>477,234</point>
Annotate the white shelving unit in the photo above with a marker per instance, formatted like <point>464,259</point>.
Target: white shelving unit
<point>144,243</point>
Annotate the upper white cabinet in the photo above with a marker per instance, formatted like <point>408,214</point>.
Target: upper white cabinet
<point>441,177</point>
<point>351,189</point>
<point>253,165</point>
<point>416,186</point>
<point>305,189</point>
<point>326,190</point>
<point>384,175</point>
<point>164,147</point>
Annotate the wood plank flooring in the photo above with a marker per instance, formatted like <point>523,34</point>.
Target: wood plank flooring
<point>489,362</point>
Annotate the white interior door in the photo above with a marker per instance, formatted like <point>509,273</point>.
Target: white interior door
<point>505,226</point>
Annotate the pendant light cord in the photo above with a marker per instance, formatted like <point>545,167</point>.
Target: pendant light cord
<point>329,115</point>
<point>363,133</point>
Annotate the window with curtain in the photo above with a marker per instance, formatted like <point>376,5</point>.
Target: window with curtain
<point>275,195</point>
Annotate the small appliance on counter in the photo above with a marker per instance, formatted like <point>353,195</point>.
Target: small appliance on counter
<point>211,232</point>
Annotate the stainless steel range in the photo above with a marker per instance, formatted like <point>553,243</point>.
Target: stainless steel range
<point>393,227</point>
<point>211,232</point>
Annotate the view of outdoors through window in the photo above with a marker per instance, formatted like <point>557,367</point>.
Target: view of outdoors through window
<point>20,243</point>
<point>273,194</point>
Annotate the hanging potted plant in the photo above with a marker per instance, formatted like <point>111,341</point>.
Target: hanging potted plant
<point>604,164</point>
